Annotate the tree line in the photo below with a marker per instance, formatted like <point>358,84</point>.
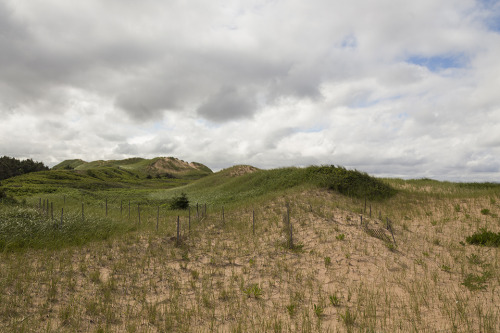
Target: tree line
<point>10,167</point>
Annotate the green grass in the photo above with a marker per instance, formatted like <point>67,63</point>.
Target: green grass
<point>25,227</point>
<point>223,188</point>
<point>140,166</point>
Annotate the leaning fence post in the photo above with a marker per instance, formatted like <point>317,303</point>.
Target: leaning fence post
<point>392,233</point>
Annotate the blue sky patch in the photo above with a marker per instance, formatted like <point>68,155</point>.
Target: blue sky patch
<point>492,7</point>
<point>438,63</point>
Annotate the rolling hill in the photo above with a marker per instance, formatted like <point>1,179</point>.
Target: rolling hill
<point>170,167</point>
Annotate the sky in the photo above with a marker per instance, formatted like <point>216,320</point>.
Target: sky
<point>406,89</point>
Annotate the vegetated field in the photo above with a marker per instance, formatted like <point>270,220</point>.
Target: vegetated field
<point>101,273</point>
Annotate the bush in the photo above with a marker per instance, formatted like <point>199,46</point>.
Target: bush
<point>484,238</point>
<point>350,182</point>
<point>6,199</point>
<point>180,202</point>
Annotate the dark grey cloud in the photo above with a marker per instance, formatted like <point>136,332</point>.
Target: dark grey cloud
<point>228,104</point>
<point>126,149</point>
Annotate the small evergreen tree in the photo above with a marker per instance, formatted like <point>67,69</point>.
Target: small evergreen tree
<point>180,202</point>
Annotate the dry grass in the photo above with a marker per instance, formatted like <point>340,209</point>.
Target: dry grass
<point>223,278</point>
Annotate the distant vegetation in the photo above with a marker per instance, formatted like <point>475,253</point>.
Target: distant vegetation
<point>224,187</point>
<point>167,167</point>
<point>350,182</point>
<point>11,167</point>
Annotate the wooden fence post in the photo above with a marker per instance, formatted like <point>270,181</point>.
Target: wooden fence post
<point>189,220</point>
<point>178,223</point>
<point>253,222</point>
<point>62,213</point>
<point>157,218</point>
<point>83,216</point>
<point>222,215</point>
<point>392,233</point>
<point>139,212</point>
<point>106,206</point>
<point>52,210</point>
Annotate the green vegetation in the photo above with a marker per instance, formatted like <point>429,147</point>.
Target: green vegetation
<point>223,188</point>
<point>25,227</point>
<point>350,182</point>
<point>180,202</point>
<point>167,167</point>
<point>484,237</point>
<point>11,167</point>
<point>475,282</point>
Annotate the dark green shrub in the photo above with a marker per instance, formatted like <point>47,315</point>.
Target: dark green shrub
<point>180,202</point>
<point>484,238</point>
<point>5,198</point>
<point>485,211</point>
<point>350,182</point>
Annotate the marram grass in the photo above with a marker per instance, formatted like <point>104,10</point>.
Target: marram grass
<point>25,227</point>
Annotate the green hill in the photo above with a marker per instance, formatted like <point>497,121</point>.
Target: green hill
<point>136,174</point>
<point>243,183</point>
<point>169,167</point>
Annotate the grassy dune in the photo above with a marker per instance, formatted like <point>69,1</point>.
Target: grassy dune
<point>226,274</point>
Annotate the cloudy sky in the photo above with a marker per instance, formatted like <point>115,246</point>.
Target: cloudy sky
<point>394,88</point>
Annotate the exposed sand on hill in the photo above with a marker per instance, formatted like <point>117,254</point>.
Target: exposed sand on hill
<point>173,165</point>
<point>240,170</point>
